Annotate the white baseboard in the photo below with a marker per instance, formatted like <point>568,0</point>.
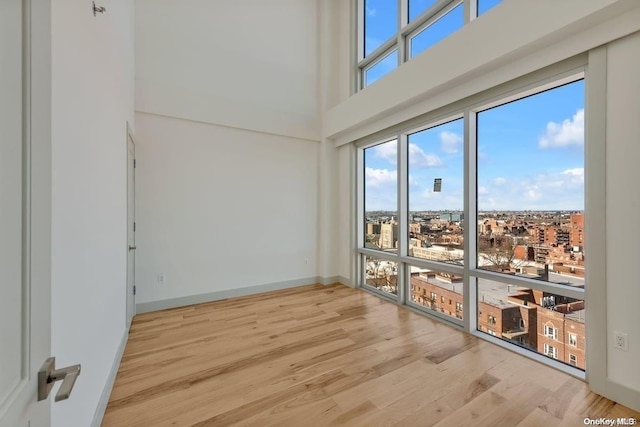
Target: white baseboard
<point>111,379</point>
<point>231,293</point>
<point>328,280</point>
<point>345,281</point>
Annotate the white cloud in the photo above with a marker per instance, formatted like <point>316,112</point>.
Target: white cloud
<point>380,177</point>
<point>417,156</point>
<point>387,151</point>
<point>450,142</point>
<point>562,190</point>
<point>575,175</point>
<point>533,193</point>
<point>430,194</point>
<point>569,132</point>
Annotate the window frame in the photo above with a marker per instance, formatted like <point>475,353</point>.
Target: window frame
<point>572,340</point>
<point>405,32</point>
<point>548,348</point>
<point>573,360</point>
<point>559,74</point>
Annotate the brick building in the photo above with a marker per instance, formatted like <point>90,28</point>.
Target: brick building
<point>549,324</point>
<point>576,233</point>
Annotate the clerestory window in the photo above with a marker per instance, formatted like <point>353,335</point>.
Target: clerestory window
<point>391,32</point>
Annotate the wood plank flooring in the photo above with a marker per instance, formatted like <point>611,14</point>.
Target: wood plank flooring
<point>332,355</point>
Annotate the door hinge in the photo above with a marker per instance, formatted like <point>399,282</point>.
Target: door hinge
<point>134,163</point>
<point>134,226</point>
<point>134,289</point>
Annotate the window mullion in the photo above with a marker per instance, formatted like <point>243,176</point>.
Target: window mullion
<point>403,216</point>
<point>403,19</point>
<point>361,30</point>
<point>360,188</point>
<point>470,222</point>
<point>470,10</point>
<point>357,44</point>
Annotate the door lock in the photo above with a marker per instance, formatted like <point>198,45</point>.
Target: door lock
<point>48,375</point>
<point>132,248</point>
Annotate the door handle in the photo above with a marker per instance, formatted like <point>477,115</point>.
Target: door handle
<point>48,375</point>
<point>132,248</point>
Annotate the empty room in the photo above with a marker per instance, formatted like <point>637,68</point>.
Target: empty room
<point>319,212</point>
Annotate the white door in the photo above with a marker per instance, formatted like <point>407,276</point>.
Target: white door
<point>25,213</point>
<point>131,227</point>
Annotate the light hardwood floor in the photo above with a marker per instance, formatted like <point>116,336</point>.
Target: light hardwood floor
<point>332,355</point>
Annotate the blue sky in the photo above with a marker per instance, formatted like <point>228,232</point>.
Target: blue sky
<point>530,157</point>
<point>381,24</point>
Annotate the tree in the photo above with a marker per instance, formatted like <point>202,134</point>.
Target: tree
<point>382,274</point>
<point>498,252</point>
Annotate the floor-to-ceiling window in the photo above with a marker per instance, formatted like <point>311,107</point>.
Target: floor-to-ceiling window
<point>477,217</point>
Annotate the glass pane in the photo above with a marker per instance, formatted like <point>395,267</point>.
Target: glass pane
<point>548,324</point>
<point>381,197</point>
<point>444,26</point>
<point>416,7</point>
<point>381,274</point>
<point>380,23</point>
<point>531,186</point>
<point>436,193</point>
<point>380,68</point>
<point>484,5</point>
<point>437,291</point>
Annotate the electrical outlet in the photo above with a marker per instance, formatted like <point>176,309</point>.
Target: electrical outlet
<point>162,279</point>
<point>620,341</point>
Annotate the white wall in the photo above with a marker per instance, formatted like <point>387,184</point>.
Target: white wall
<point>92,100</point>
<point>221,209</point>
<point>249,64</point>
<point>346,216</point>
<point>623,207</point>
<point>228,133</point>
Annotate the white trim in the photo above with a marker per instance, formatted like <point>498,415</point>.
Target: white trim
<point>595,223</point>
<point>345,281</point>
<point>470,232</point>
<point>111,379</point>
<point>129,293</point>
<point>329,280</point>
<point>523,85</point>
<point>355,206</point>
